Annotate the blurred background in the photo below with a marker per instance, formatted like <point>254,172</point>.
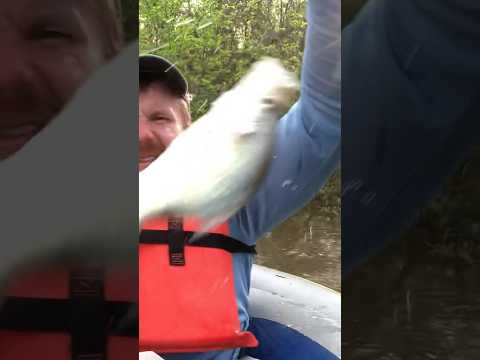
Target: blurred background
<point>420,297</point>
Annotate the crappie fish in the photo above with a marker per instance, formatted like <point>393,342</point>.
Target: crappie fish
<point>212,168</point>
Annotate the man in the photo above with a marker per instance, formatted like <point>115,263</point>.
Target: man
<point>65,201</point>
<point>307,140</point>
<point>52,46</point>
<point>54,192</point>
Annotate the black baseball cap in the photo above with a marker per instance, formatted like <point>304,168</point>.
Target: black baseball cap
<point>156,68</point>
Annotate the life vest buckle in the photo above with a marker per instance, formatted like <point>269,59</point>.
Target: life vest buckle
<point>176,242</point>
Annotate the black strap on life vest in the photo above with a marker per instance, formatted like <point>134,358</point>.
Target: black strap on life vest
<point>86,315</point>
<point>176,243</point>
<point>87,329</point>
<point>176,239</point>
<point>54,315</point>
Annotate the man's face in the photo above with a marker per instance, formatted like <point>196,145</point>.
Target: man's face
<point>48,49</point>
<point>161,117</point>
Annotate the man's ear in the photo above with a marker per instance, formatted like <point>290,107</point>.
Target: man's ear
<point>188,120</point>
<point>188,117</point>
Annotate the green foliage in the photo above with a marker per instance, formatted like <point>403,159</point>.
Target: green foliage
<point>214,42</point>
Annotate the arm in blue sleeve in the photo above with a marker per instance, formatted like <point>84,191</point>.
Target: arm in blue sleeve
<point>308,136</point>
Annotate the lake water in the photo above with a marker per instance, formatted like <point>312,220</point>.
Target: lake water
<point>420,297</point>
<point>307,245</point>
<point>428,308</point>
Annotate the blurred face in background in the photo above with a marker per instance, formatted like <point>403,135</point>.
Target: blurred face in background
<point>49,48</point>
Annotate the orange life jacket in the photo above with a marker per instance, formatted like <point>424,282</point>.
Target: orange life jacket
<point>187,302</point>
<point>61,314</point>
<point>187,299</point>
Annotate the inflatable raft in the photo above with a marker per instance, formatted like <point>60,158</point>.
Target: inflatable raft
<point>291,317</point>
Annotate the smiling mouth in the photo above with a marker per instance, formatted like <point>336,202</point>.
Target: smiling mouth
<point>146,159</point>
<point>14,138</point>
<point>18,131</point>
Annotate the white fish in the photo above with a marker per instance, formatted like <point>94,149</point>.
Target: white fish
<point>212,168</point>
<point>149,355</point>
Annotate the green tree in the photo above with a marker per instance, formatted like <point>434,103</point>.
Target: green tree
<point>214,42</point>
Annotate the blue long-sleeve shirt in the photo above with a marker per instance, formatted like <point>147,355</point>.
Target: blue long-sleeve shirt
<point>307,150</point>
<point>411,71</point>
